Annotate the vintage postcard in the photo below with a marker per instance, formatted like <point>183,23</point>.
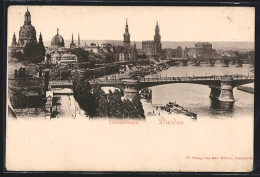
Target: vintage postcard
<point>130,88</point>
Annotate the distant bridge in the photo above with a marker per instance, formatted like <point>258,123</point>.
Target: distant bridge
<point>211,61</point>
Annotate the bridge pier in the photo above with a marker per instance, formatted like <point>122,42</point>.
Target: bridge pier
<point>214,93</point>
<point>225,92</point>
<point>131,89</point>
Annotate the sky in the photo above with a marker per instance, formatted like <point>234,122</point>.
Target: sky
<point>108,22</point>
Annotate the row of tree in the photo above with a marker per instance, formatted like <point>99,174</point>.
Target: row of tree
<point>97,103</point>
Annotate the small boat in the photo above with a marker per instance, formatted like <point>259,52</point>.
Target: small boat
<point>173,107</point>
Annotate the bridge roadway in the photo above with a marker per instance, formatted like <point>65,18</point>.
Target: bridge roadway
<point>213,80</point>
<point>237,79</point>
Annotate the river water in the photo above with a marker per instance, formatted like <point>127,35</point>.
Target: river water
<point>195,97</point>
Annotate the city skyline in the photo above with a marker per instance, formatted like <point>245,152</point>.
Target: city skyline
<point>92,23</point>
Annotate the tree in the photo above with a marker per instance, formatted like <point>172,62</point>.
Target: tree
<point>109,57</point>
<point>84,97</point>
<point>33,52</point>
<point>18,55</point>
<point>138,106</point>
<point>83,56</point>
<point>41,49</point>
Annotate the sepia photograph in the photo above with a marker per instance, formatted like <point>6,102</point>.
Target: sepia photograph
<point>130,88</point>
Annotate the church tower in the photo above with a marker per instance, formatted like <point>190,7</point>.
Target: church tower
<point>72,44</point>
<point>14,43</point>
<point>27,18</point>
<point>157,40</point>
<point>27,32</point>
<point>40,39</point>
<point>126,36</point>
<point>78,41</point>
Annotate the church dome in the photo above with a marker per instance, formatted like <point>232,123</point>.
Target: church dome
<point>57,40</point>
<point>27,32</point>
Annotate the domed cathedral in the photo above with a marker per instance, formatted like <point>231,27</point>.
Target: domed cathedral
<point>127,52</point>
<point>57,40</point>
<point>59,54</point>
<point>27,32</point>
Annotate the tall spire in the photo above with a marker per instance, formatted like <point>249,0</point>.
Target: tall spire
<point>126,35</point>
<point>57,31</point>
<point>157,40</point>
<point>72,44</point>
<point>126,26</point>
<point>27,17</point>
<point>14,40</point>
<point>157,30</point>
<point>40,39</point>
<point>78,40</point>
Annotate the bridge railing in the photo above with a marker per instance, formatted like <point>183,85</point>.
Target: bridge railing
<point>159,79</point>
<point>60,82</point>
<point>195,78</point>
<point>105,81</point>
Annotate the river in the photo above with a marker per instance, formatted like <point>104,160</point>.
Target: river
<point>195,97</point>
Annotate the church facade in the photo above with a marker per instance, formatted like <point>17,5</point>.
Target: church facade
<point>127,51</point>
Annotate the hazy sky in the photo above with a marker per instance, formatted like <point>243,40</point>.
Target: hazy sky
<point>101,23</point>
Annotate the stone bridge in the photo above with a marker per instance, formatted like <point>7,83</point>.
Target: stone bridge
<point>221,86</point>
<point>211,61</point>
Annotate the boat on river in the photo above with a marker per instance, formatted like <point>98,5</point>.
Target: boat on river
<point>173,107</point>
